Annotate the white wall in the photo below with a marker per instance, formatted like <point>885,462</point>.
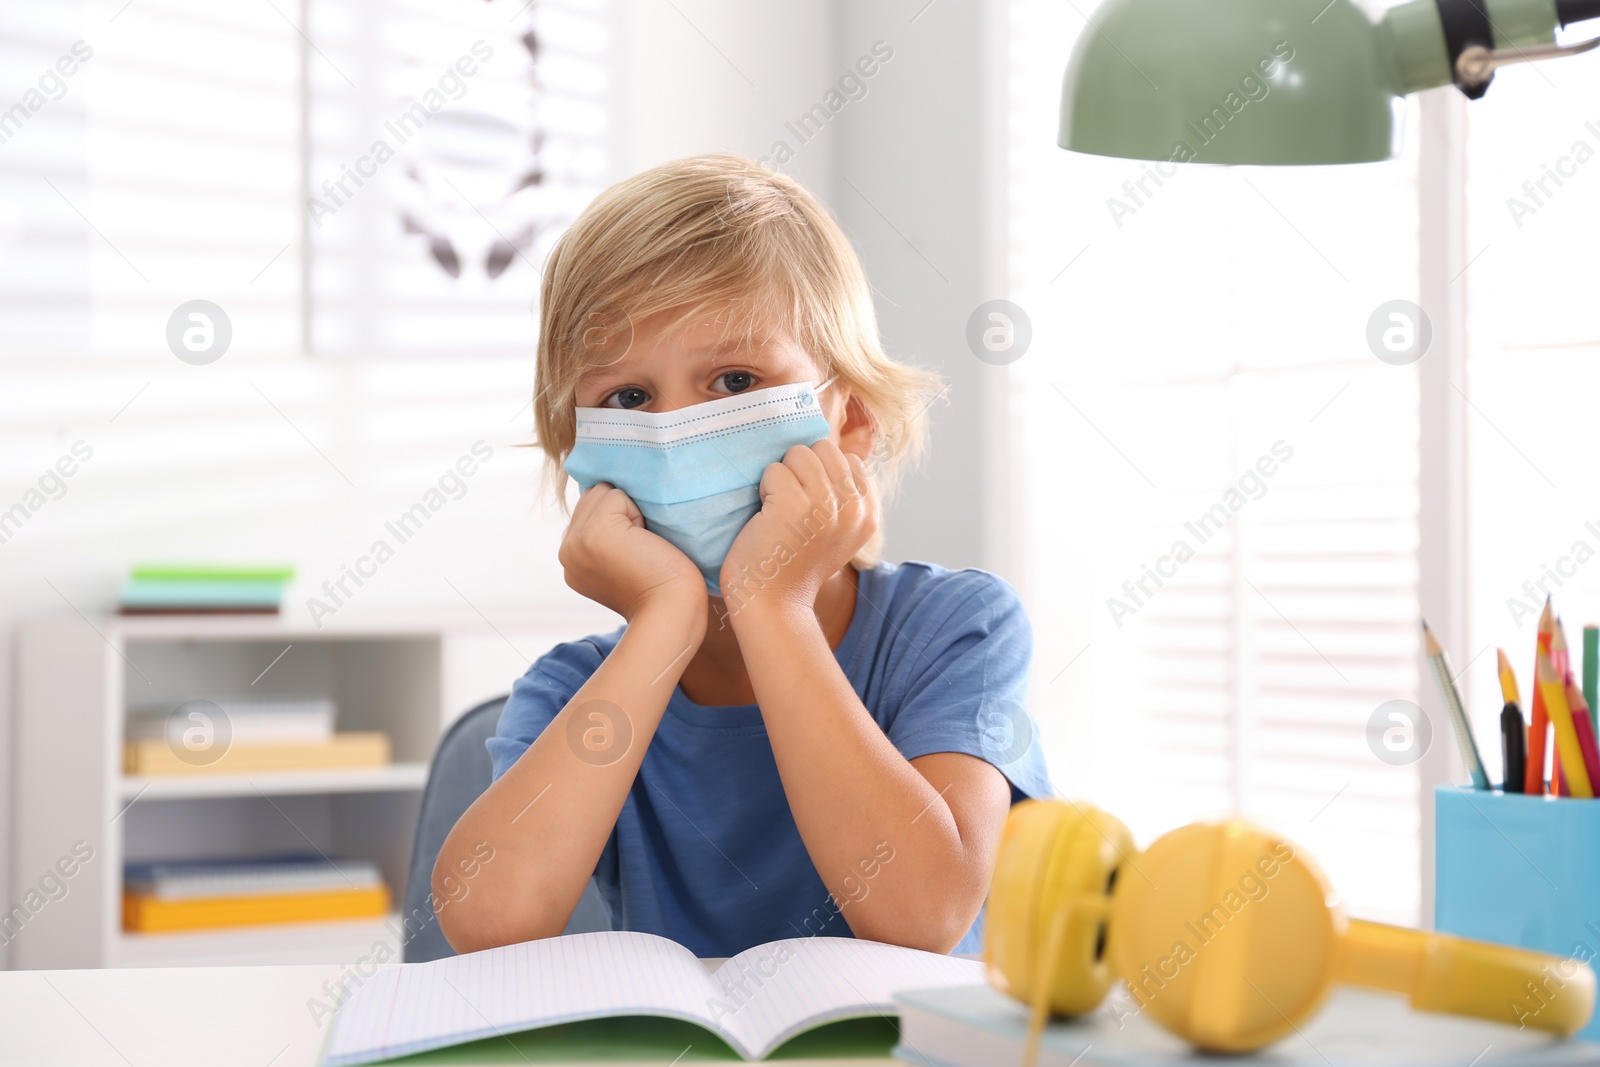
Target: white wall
<point>214,463</point>
<point>917,190</point>
<point>911,167</point>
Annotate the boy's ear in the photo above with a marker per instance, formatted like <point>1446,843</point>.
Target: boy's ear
<point>857,431</point>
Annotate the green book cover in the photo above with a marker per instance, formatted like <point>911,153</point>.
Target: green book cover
<point>647,1039</point>
<point>212,572</point>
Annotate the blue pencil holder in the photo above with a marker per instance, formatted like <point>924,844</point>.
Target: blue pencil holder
<point>1519,870</point>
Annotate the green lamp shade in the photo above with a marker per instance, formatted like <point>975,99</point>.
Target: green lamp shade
<point>1233,81</point>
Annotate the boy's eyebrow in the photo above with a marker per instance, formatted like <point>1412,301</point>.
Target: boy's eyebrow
<point>755,346</point>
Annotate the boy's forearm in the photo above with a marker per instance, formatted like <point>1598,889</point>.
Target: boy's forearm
<point>854,796</point>
<point>549,816</point>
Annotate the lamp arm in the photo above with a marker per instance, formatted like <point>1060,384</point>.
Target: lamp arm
<point>1435,41</point>
<point>1477,64</point>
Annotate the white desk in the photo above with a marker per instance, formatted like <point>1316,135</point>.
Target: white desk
<point>167,1015</point>
<point>258,1017</point>
<point>178,1017</point>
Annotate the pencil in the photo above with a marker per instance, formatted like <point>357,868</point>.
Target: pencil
<point>1508,679</point>
<point>1554,689</point>
<point>1584,729</point>
<point>1513,731</point>
<point>1591,674</point>
<point>1560,660</point>
<point>1514,749</point>
<point>1458,713</point>
<point>1539,727</point>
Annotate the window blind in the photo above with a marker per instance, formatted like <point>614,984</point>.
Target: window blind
<point>179,160</point>
<point>446,153</point>
<point>345,177</point>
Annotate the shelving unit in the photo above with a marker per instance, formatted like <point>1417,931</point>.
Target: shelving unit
<point>344,942</point>
<point>394,777</point>
<point>407,675</point>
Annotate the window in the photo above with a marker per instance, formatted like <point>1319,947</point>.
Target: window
<point>341,177</point>
<point>1533,207</point>
<point>1219,505</point>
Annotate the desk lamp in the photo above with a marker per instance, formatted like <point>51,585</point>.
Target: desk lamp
<point>1286,81</point>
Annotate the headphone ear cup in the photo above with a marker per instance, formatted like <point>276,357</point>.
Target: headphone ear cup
<point>1229,937</point>
<point>1053,878</point>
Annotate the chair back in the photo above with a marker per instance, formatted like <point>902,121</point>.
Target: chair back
<point>459,774</point>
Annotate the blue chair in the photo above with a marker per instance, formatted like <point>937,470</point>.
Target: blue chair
<point>459,774</point>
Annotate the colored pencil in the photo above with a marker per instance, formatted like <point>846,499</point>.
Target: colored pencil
<point>1458,713</point>
<point>1513,730</point>
<point>1553,686</point>
<point>1584,729</point>
<point>1591,674</point>
<point>1559,660</point>
<point>1508,679</point>
<point>1539,727</point>
<point>1582,725</point>
<point>1513,748</point>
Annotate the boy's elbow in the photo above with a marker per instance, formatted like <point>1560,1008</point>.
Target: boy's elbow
<point>476,922</point>
<point>473,917</point>
<point>937,927</point>
<point>924,936</point>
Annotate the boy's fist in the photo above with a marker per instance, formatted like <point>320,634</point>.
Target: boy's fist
<point>608,556</point>
<point>818,510</point>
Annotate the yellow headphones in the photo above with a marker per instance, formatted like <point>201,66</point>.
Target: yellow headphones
<point>1228,935</point>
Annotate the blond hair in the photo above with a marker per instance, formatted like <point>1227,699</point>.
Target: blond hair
<point>720,236</point>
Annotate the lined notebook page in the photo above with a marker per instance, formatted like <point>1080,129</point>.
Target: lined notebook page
<point>763,999</point>
<point>423,1006</point>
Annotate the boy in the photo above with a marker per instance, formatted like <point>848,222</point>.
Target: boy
<point>787,737</point>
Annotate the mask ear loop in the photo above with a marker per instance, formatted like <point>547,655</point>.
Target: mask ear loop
<point>1044,979</point>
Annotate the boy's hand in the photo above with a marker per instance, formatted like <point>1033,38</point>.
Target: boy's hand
<point>609,557</point>
<point>817,511</point>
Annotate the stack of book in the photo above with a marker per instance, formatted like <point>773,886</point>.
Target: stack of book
<point>206,894</point>
<point>247,734</point>
<point>168,589</point>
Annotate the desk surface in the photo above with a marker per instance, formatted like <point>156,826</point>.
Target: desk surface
<point>263,1017</point>
<point>180,1016</point>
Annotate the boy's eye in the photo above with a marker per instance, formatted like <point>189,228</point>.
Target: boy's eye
<point>735,381</point>
<point>631,397</point>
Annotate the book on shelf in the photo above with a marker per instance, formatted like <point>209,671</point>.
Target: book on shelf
<point>295,872</point>
<point>171,896</point>
<point>251,720</point>
<point>146,915</point>
<point>222,572</point>
<point>163,589</point>
<point>343,750</point>
<point>754,1002</point>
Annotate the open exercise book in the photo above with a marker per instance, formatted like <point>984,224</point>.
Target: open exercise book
<point>755,1002</point>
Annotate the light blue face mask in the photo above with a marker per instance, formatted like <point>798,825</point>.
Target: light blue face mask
<point>695,473</point>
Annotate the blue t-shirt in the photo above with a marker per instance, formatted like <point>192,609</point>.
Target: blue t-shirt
<point>705,850</point>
